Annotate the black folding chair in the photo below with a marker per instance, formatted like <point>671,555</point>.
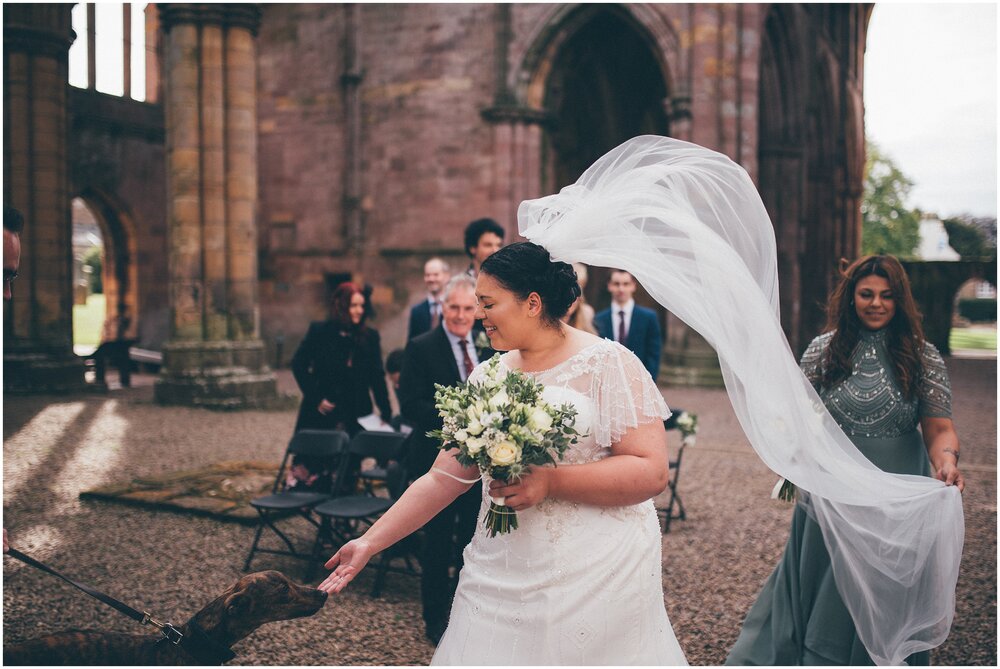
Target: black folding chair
<point>346,517</point>
<point>379,473</point>
<point>667,513</point>
<point>319,445</point>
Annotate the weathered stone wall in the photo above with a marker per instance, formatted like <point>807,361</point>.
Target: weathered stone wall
<point>383,129</point>
<point>430,160</point>
<point>117,166</point>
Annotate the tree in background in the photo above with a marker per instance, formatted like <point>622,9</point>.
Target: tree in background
<point>966,235</point>
<point>95,261</point>
<point>888,224</point>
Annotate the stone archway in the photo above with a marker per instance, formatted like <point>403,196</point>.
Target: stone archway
<point>781,154</point>
<point>604,83</point>
<point>935,285</point>
<point>810,147</point>
<point>119,269</point>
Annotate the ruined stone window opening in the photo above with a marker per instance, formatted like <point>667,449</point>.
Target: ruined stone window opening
<point>110,50</point>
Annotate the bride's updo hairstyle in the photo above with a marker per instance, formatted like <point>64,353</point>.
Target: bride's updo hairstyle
<point>524,268</point>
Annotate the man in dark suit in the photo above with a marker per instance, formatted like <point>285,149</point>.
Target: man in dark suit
<point>445,355</point>
<point>635,327</point>
<point>426,315</point>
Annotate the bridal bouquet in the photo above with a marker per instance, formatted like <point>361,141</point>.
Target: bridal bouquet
<point>501,424</point>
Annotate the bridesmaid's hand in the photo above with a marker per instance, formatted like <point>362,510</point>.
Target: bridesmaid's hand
<point>951,476</point>
<point>349,560</point>
<point>533,486</point>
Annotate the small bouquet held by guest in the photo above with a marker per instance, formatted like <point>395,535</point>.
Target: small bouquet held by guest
<point>501,424</point>
<point>687,423</point>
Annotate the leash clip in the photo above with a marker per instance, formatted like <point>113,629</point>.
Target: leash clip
<point>171,633</point>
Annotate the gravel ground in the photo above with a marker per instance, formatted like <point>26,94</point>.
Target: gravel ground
<point>714,562</point>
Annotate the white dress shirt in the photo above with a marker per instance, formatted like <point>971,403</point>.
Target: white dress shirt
<point>456,350</point>
<point>435,305</point>
<point>628,307</point>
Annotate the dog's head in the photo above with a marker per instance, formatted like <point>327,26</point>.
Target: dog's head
<point>256,599</point>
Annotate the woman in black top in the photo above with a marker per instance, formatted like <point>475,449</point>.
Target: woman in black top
<point>337,364</point>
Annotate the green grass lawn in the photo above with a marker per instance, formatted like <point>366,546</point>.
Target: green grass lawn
<point>974,338</point>
<point>88,319</point>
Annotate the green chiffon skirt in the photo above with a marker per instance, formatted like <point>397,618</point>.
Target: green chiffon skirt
<point>799,617</point>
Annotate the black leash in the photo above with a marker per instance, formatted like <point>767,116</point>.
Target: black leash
<point>171,633</point>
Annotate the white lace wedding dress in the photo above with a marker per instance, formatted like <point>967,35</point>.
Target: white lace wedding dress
<point>574,584</point>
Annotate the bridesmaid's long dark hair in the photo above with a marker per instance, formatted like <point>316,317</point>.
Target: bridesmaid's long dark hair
<point>905,334</point>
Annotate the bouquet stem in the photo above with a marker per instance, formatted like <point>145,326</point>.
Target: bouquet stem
<point>500,519</point>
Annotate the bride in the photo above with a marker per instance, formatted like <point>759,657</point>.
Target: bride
<point>579,581</point>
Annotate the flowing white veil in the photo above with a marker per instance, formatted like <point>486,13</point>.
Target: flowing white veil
<point>688,223</point>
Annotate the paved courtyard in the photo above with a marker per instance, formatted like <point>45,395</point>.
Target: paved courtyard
<point>171,564</point>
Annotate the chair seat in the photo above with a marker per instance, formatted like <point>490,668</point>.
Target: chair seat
<point>356,506</point>
<point>288,500</point>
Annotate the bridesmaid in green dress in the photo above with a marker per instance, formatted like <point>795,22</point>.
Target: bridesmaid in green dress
<point>879,378</point>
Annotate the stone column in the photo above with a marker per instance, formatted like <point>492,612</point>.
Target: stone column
<point>214,357</point>
<point>38,321</point>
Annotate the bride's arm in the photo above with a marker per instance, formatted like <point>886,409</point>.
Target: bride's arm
<point>637,470</point>
<point>423,500</point>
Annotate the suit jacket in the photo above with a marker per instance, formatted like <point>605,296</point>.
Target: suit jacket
<point>320,366</point>
<point>420,319</point>
<point>428,360</point>
<point>644,338</point>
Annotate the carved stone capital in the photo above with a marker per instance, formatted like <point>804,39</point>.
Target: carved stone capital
<point>38,29</point>
<point>227,15</point>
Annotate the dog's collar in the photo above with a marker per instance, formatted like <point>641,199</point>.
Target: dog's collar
<point>204,648</point>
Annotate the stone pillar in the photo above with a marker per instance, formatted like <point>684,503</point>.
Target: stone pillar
<point>688,360</point>
<point>214,357</point>
<point>38,321</point>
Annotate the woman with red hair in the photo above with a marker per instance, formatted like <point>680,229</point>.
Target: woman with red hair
<point>337,364</point>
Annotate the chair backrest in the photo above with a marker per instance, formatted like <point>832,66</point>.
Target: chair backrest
<point>383,446</point>
<point>395,479</point>
<point>319,443</point>
<point>312,444</point>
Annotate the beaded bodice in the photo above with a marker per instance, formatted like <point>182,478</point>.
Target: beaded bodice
<point>869,402</point>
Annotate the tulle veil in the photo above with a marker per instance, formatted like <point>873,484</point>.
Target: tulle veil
<point>688,223</point>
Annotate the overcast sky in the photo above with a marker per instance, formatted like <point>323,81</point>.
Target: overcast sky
<point>931,101</point>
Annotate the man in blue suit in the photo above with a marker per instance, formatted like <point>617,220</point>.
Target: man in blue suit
<point>426,315</point>
<point>635,327</point>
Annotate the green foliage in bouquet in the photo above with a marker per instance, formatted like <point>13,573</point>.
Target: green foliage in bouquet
<point>501,424</point>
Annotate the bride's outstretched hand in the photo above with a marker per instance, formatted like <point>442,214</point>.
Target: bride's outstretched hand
<point>346,563</point>
<point>519,494</point>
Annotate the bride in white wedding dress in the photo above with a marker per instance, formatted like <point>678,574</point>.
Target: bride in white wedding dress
<point>579,582</point>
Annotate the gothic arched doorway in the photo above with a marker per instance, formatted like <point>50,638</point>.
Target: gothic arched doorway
<point>782,156</point>
<point>605,85</point>
<point>118,272</point>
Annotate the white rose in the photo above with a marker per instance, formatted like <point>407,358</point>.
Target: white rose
<point>539,420</point>
<point>504,453</point>
<point>461,435</point>
<point>500,400</point>
<point>475,428</point>
<point>473,413</point>
<point>474,444</point>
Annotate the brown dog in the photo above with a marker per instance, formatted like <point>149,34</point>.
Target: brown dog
<point>255,599</point>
